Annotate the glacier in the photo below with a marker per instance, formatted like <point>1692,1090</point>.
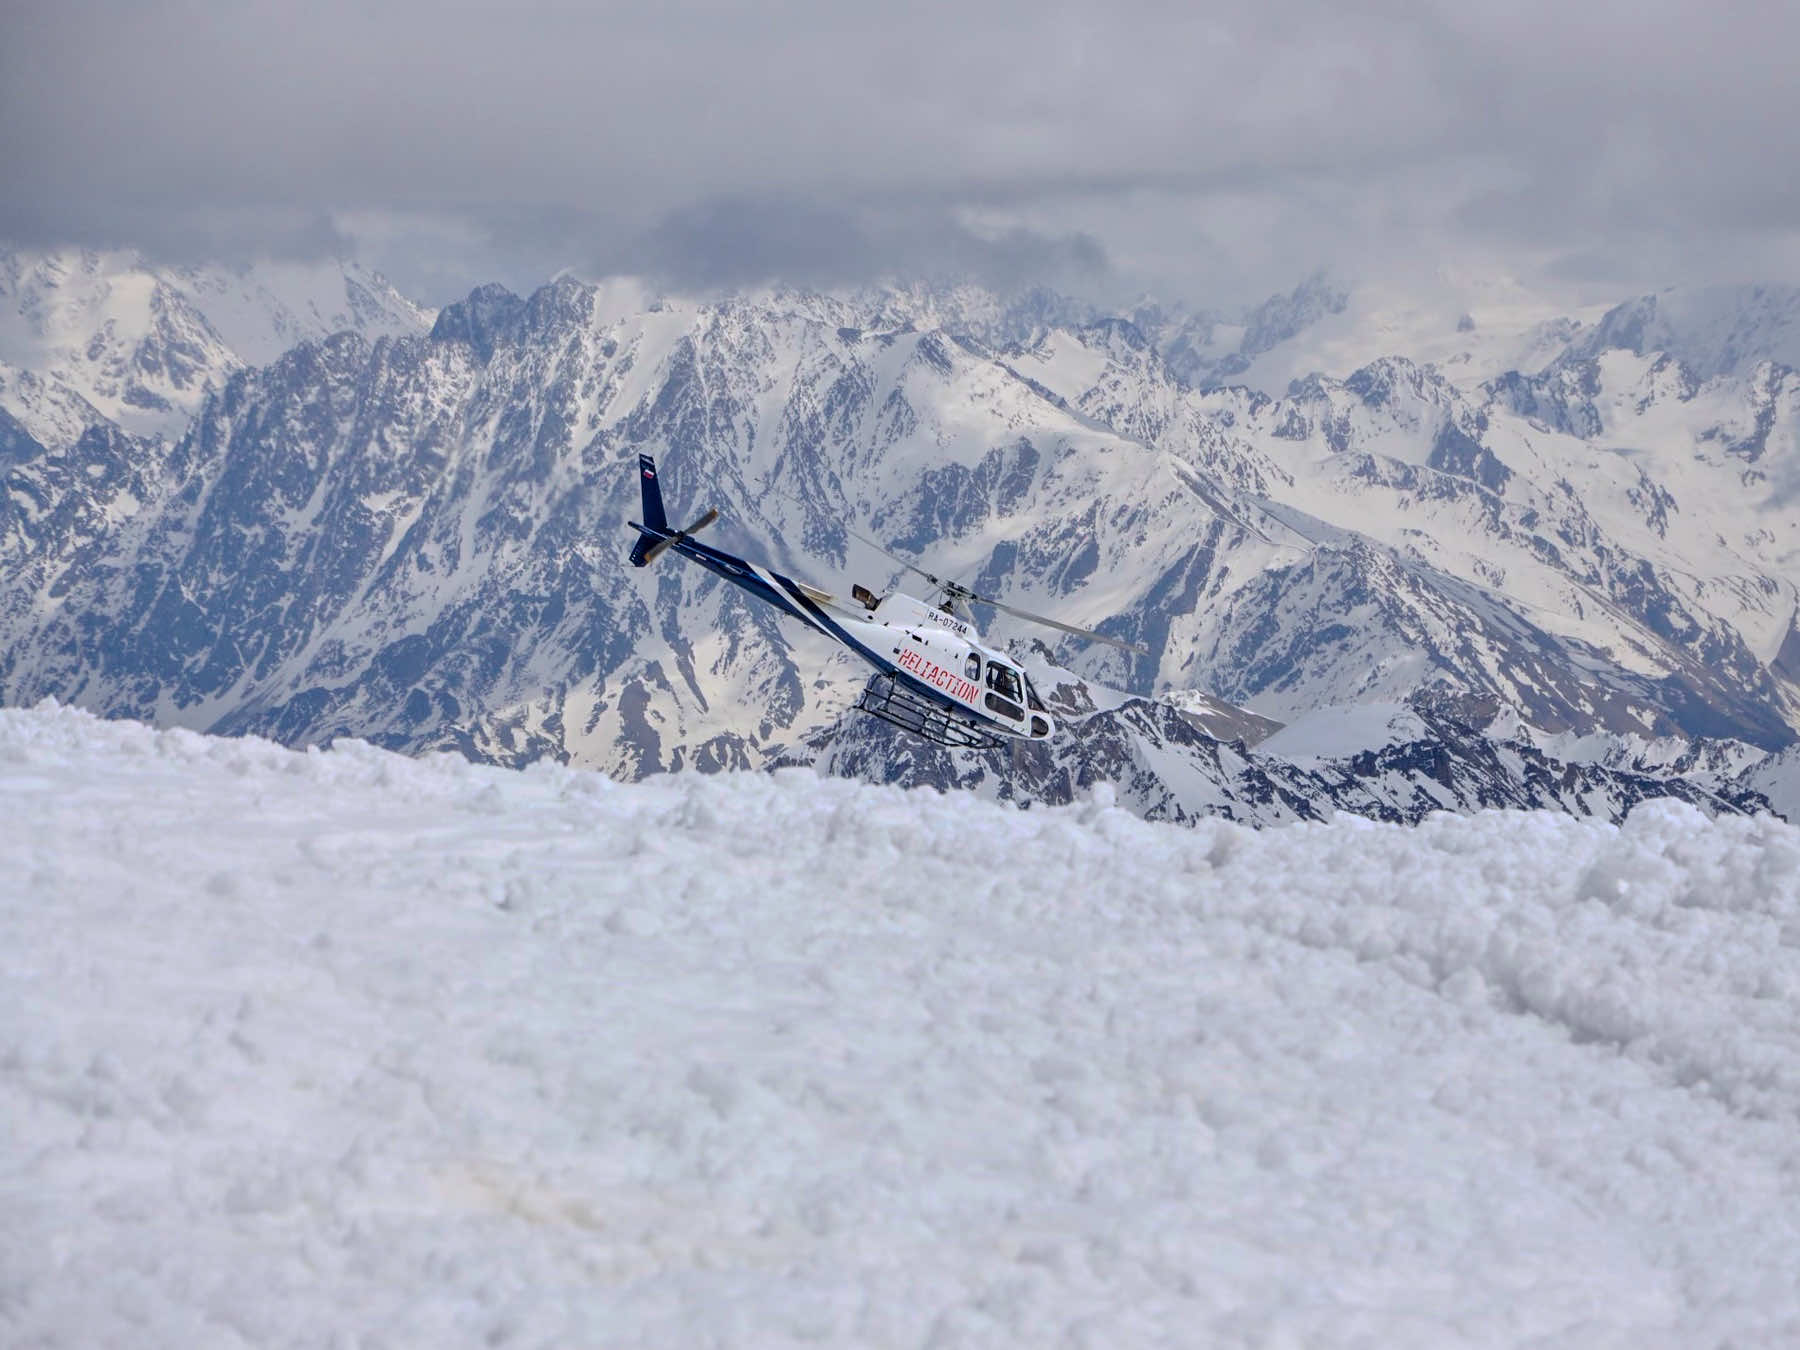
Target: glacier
<point>342,1047</point>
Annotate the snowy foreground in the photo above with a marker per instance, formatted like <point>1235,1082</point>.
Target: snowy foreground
<point>343,1048</point>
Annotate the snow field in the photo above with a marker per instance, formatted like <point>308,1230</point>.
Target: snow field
<point>344,1048</point>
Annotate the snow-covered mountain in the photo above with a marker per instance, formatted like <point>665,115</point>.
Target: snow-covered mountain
<point>1711,330</point>
<point>1777,779</point>
<point>301,1049</point>
<point>419,540</point>
<point>1474,326</point>
<point>1615,512</point>
<point>86,332</point>
<point>1203,348</point>
<point>1407,763</point>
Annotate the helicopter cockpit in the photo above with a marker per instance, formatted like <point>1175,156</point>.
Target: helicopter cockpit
<point>1009,693</point>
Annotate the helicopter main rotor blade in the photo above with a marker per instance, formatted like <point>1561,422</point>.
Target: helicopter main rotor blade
<point>957,591</point>
<point>882,548</point>
<point>1087,633</point>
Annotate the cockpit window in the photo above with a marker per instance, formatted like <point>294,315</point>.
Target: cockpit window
<point>1005,707</point>
<point>1032,700</point>
<point>1004,680</point>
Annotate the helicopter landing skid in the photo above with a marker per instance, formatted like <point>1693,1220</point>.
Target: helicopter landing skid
<point>884,697</point>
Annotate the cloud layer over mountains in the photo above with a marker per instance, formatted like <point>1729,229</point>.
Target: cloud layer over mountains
<point>817,142</point>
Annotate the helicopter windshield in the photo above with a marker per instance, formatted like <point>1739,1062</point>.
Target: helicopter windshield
<point>1032,700</point>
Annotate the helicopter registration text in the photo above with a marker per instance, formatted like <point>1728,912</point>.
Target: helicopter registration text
<point>936,676</point>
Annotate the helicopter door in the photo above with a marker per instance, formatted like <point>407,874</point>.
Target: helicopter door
<point>1005,695</point>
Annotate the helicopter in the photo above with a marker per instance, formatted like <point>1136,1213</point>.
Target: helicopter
<point>933,677</point>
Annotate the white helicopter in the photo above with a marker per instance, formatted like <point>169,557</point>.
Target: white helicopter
<point>934,677</point>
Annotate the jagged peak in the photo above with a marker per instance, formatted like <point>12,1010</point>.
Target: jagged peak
<point>478,319</point>
<point>1380,380</point>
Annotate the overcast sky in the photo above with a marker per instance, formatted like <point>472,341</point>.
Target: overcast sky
<point>1214,153</point>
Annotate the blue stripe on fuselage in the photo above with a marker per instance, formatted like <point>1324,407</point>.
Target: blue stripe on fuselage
<point>792,600</point>
<point>732,568</point>
<point>881,663</point>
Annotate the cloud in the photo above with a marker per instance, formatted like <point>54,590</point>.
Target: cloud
<point>1235,147</point>
<point>726,242</point>
<point>173,232</point>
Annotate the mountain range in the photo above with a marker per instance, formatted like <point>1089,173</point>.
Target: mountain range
<point>292,502</point>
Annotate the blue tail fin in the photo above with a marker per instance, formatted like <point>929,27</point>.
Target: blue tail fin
<point>656,524</point>
<point>653,507</point>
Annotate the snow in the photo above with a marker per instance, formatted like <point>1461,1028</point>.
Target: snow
<point>1514,327</point>
<point>339,1047</point>
<point>1778,779</point>
<point>1712,329</point>
<point>1341,732</point>
<point>1700,761</point>
<point>263,310</point>
<point>141,344</point>
<point>50,412</point>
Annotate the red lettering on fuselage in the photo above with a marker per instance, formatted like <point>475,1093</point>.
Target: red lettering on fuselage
<point>937,677</point>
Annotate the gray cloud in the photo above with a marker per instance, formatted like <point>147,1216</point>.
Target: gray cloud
<point>821,140</point>
<point>725,242</point>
